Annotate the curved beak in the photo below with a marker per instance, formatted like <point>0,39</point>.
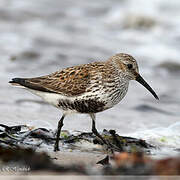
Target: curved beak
<point>145,84</point>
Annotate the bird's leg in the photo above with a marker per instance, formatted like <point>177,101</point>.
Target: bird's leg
<point>94,130</point>
<point>60,125</point>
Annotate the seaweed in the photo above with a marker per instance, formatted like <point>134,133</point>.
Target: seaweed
<point>19,145</point>
<point>26,136</point>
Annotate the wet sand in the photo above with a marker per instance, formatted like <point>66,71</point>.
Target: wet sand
<point>81,158</point>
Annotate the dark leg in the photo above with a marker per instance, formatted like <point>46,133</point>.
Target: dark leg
<point>60,125</point>
<point>94,130</point>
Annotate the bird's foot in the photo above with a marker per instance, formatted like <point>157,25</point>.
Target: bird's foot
<point>56,145</point>
<point>56,148</point>
<point>107,143</point>
<point>110,146</point>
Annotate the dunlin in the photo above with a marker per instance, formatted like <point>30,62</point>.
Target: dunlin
<point>88,88</point>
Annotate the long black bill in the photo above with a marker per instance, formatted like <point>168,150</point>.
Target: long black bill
<point>145,84</point>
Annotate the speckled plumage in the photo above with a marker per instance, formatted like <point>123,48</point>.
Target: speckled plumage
<point>88,88</point>
<point>98,84</point>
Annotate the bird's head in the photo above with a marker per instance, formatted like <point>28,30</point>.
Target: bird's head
<point>129,67</point>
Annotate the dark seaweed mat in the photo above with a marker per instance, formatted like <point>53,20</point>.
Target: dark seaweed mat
<point>16,150</point>
<point>24,136</point>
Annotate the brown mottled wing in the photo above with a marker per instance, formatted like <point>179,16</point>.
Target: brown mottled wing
<point>70,81</point>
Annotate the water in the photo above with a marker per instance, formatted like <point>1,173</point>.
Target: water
<point>39,37</point>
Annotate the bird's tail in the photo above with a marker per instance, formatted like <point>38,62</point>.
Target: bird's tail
<point>30,83</point>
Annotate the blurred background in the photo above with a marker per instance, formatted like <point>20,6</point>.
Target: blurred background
<point>39,37</point>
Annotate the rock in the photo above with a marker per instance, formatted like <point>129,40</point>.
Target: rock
<point>148,108</point>
<point>172,67</point>
<point>138,22</point>
<point>167,166</point>
<point>26,55</point>
<point>140,164</point>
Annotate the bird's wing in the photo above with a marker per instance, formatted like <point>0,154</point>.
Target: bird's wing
<point>71,81</point>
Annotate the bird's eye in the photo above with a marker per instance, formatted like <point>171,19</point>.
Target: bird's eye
<point>130,66</point>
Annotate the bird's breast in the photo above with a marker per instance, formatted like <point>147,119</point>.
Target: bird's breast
<point>115,94</point>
